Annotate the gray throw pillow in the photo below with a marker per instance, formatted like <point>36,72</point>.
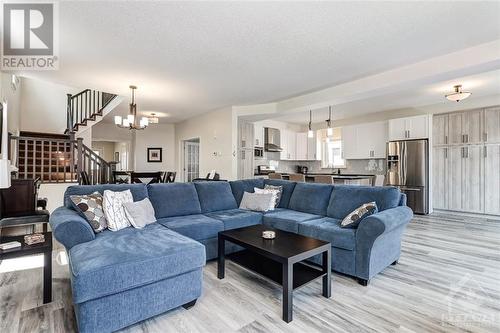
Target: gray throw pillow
<point>356,216</point>
<point>259,202</point>
<point>139,213</point>
<point>90,207</point>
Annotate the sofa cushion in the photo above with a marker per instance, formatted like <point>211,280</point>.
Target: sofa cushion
<point>311,198</point>
<point>215,196</point>
<point>174,199</point>
<point>193,226</point>
<point>238,187</point>
<point>286,192</point>
<point>287,219</point>
<point>329,230</point>
<point>236,218</point>
<point>139,191</point>
<point>347,198</point>
<point>128,258</point>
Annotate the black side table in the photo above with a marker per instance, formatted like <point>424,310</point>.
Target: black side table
<point>28,250</point>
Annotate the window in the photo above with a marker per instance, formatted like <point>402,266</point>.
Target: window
<point>332,154</point>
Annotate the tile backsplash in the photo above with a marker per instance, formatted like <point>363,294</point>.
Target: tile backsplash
<point>368,166</point>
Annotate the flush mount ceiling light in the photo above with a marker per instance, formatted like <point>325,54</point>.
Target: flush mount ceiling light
<point>310,132</point>
<point>458,95</point>
<point>131,121</point>
<point>329,130</point>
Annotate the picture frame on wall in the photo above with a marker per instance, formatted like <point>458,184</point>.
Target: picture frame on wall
<point>155,155</point>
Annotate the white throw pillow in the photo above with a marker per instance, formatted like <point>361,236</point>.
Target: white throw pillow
<point>259,202</point>
<point>113,208</point>
<point>269,191</point>
<point>140,213</point>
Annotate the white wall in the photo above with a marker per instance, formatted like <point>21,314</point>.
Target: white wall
<point>13,98</point>
<point>217,131</point>
<point>54,194</point>
<point>155,136</point>
<point>106,149</point>
<point>43,106</point>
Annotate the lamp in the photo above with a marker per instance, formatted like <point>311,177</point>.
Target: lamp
<point>329,130</point>
<point>4,162</point>
<point>310,132</point>
<point>130,121</point>
<point>458,95</point>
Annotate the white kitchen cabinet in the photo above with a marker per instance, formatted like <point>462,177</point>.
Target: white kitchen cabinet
<point>492,125</point>
<point>440,129</point>
<point>365,141</point>
<point>258,135</point>
<point>288,144</point>
<point>301,146</point>
<point>416,127</point>
<point>440,177</point>
<point>491,154</point>
<point>314,148</point>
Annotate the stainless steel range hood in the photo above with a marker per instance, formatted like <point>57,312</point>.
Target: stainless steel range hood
<point>272,139</point>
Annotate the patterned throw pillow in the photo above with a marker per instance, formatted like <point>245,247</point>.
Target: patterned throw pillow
<point>275,188</point>
<point>355,217</point>
<point>274,193</point>
<point>113,208</point>
<point>90,207</point>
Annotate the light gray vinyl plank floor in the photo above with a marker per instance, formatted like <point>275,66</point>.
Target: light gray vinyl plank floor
<point>446,281</point>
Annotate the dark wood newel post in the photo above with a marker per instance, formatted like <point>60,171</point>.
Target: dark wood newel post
<point>69,114</point>
<point>79,156</point>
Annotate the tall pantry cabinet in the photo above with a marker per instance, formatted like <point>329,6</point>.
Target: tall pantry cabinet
<point>466,155</point>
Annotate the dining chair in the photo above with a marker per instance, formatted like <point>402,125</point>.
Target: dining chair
<point>121,177</point>
<point>136,177</point>
<point>169,177</point>
<point>297,177</point>
<point>323,179</point>
<point>84,178</point>
<point>275,175</point>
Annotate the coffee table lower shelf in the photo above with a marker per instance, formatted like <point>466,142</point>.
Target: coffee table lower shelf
<point>302,273</point>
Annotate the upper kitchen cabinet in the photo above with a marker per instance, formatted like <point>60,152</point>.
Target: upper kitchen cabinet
<point>492,125</point>
<point>465,127</point>
<point>365,141</point>
<point>416,127</point>
<point>314,147</point>
<point>440,129</point>
<point>288,145</point>
<point>301,146</point>
<point>246,133</point>
<point>258,135</point>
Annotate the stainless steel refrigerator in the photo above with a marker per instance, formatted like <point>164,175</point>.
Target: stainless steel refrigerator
<point>408,169</point>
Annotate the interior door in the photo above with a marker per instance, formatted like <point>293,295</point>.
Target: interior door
<point>455,188</point>
<point>491,155</point>
<point>440,177</point>
<point>472,179</point>
<point>191,160</point>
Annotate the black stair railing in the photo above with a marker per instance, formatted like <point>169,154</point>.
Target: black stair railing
<point>85,106</point>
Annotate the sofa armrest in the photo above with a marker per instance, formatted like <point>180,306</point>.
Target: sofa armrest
<point>69,228</point>
<point>385,221</point>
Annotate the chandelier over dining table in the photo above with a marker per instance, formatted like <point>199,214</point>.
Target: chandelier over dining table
<point>132,122</point>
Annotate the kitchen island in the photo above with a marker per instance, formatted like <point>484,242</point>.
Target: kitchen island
<point>340,179</point>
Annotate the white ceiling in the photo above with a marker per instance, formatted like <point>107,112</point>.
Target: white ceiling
<point>481,85</point>
<point>192,57</point>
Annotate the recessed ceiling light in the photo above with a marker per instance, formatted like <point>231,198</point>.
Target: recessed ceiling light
<point>458,95</point>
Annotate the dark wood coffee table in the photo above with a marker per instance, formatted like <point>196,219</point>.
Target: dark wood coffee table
<point>24,250</point>
<point>279,259</point>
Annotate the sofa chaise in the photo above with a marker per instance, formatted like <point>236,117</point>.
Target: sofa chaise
<point>123,277</point>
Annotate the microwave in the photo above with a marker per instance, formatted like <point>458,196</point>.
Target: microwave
<point>258,152</point>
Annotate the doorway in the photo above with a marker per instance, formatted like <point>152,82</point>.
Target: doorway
<point>191,168</point>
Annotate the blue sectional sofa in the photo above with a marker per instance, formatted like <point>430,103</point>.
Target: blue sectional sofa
<point>120,278</point>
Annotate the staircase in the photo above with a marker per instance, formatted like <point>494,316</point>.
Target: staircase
<point>60,158</point>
